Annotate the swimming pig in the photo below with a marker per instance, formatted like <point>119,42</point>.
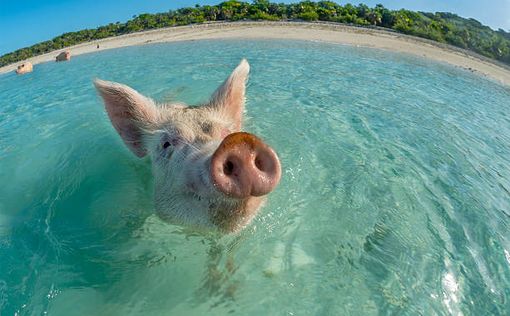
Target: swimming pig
<point>207,173</point>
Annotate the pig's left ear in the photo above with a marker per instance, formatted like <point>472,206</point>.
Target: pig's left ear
<point>131,113</point>
<point>229,97</point>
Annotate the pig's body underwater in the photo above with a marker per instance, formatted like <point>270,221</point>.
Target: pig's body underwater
<point>208,174</point>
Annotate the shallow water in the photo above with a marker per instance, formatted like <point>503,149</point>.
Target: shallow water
<point>395,196</point>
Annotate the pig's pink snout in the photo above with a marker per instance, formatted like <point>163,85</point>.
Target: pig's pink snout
<point>244,166</point>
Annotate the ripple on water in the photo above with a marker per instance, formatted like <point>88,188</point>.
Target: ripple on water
<point>394,196</point>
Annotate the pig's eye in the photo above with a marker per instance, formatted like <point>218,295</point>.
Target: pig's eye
<point>166,145</point>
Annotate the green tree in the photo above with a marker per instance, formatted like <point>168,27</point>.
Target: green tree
<point>440,26</point>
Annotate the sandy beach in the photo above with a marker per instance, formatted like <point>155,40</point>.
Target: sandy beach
<point>324,32</point>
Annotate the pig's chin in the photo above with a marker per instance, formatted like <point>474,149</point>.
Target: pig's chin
<point>234,214</point>
<point>221,213</point>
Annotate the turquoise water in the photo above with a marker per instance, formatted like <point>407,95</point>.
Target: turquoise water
<point>395,195</point>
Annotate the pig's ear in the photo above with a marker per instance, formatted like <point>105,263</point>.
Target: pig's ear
<point>130,113</point>
<point>229,98</point>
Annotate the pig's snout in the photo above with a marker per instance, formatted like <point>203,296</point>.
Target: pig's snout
<point>244,166</point>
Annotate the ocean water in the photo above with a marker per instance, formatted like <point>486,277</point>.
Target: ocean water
<point>395,195</point>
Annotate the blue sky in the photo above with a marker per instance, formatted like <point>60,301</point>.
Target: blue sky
<point>26,22</point>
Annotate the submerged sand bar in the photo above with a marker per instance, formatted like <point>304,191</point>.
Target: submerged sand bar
<point>324,32</point>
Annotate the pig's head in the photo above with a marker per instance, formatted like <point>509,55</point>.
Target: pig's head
<point>208,174</point>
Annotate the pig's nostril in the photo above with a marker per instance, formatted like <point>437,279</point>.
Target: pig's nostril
<point>259,164</point>
<point>228,168</point>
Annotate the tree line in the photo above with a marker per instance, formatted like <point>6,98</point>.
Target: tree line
<point>442,27</point>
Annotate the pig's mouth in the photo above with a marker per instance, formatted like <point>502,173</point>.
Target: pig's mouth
<point>199,184</point>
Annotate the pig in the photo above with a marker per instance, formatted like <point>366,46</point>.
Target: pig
<point>63,56</point>
<point>208,174</point>
<point>24,68</point>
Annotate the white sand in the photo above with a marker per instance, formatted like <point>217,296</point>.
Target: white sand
<point>325,32</point>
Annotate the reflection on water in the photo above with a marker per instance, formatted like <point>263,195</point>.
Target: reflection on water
<point>395,193</point>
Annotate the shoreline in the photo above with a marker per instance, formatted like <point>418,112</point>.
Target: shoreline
<point>308,31</point>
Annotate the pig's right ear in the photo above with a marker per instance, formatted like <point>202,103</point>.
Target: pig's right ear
<point>229,97</point>
<point>130,113</point>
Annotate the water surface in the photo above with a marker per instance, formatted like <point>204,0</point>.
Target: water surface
<point>395,195</point>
